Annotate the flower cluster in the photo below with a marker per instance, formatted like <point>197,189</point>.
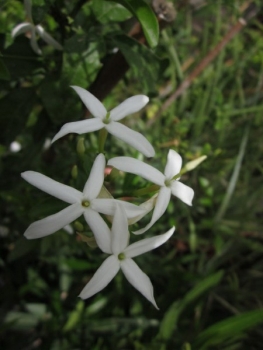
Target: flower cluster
<point>33,31</point>
<point>93,202</point>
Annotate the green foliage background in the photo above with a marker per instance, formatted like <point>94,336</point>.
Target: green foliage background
<point>208,277</point>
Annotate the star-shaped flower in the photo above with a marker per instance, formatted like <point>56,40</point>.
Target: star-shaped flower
<point>110,121</point>
<point>121,256</point>
<point>34,31</point>
<point>168,182</point>
<point>85,203</point>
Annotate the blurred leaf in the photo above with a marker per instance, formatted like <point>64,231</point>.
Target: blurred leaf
<point>107,11</point>
<point>4,73</point>
<point>74,317</point>
<point>232,326</point>
<point>145,15</point>
<point>21,320</point>
<point>21,248</point>
<point>37,310</point>
<point>171,317</point>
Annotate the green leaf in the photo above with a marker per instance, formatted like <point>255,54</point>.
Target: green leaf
<point>74,317</point>
<point>4,73</point>
<point>171,317</point>
<point>107,11</point>
<point>145,15</point>
<point>232,326</point>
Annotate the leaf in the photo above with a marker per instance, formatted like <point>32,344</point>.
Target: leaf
<point>171,317</point>
<point>225,329</point>
<point>74,317</point>
<point>145,15</point>
<point>4,73</point>
<point>107,11</point>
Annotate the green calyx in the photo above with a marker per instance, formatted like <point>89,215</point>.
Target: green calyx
<point>121,256</point>
<point>106,120</point>
<point>85,203</point>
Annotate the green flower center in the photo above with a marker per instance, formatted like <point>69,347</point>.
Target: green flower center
<point>106,120</point>
<point>168,183</point>
<point>85,203</point>
<point>121,256</point>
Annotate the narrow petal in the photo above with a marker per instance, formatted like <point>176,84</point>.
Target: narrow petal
<point>138,279</point>
<point>54,222</point>
<point>21,28</point>
<point>160,207</point>
<point>52,187</point>
<point>95,107</point>
<point>48,38</point>
<point>102,277</point>
<point>133,138</point>
<point>147,244</point>
<point>34,44</point>
<point>137,167</point>
<point>147,207</point>
<point>80,127</point>
<point>173,165</point>
<point>95,181</point>
<point>100,230</point>
<point>108,206</point>
<point>183,192</point>
<point>129,106</point>
<point>119,230</point>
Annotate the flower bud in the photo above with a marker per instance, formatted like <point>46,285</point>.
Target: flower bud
<point>81,146</point>
<point>74,171</point>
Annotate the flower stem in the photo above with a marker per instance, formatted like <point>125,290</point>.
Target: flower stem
<point>102,139</point>
<point>146,190</point>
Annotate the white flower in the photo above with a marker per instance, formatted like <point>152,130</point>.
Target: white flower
<point>34,30</point>
<point>121,258</point>
<point>85,203</point>
<point>109,120</point>
<point>168,185</point>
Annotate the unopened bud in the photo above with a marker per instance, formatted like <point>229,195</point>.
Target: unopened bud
<point>74,171</point>
<point>78,226</point>
<point>193,164</point>
<point>81,146</point>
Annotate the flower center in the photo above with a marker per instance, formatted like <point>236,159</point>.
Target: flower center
<point>121,256</point>
<point>85,203</point>
<point>168,182</point>
<point>106,120</point>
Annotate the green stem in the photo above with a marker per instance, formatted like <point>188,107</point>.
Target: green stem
<point>146,190</point>
<point>102,139</point>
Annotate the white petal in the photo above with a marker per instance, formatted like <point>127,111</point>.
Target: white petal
<point>21,28</point>
<point>147,207</point>
<point>147,244</point>
<point>52,187</point>
<point>108,206</point>
<point>133,138</point>
<point>173,165</point>
<point>119,231</point>
<point>129,106</point>
<point>95,107</point>
<point>34,44</point>
<point>48,38</point>
<point>137,167</point>
<point>138,279</point>
<point>183,192</point>
<point>80,127</point>
<point>54,222</point>
<point>95,181</point>
<point>100,230</point>
<point>102,277</point>
<point>160,207</point>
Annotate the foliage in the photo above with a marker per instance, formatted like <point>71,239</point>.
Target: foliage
<point>208,280</point>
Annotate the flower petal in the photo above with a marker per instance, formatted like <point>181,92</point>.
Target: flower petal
<point>100,230</point>
<point>34,44</point>
<point>95,181</point>
<point>21,28</point>
<point>108,206</point>
<point>147,244</point>
<point>160,207</point>
<point>95,107</point>
<point>129,106</point>
<point>80,127</point>
<point>173,165</point>
<point>48,38</point>
<point>53,223</point>
<point>183,192</point>
<point>137,167</point>
<point>133,138</point>
<point>119,231</point>
<point>147,207</point>
<point>138,279</point>
<point>52,187</point>
<point>102,277</point>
